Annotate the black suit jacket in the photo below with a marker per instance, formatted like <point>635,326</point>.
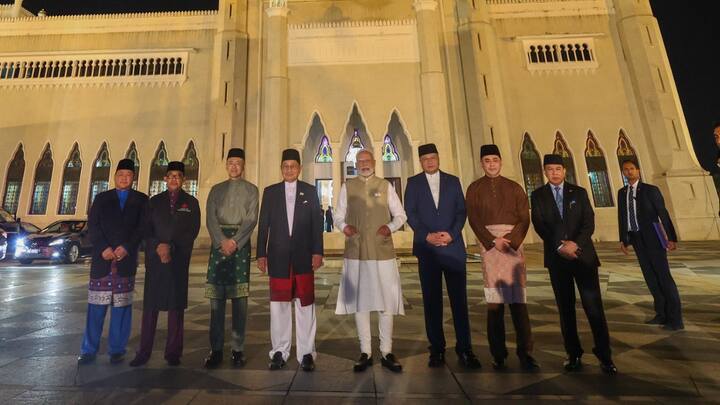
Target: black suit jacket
<point>274,240</point>
<point>110,226</point>
<point>650,208</point>
<point>166,284</point>
<point>577,223</point>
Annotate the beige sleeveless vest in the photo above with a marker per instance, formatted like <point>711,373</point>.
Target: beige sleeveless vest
<point>368,210</point>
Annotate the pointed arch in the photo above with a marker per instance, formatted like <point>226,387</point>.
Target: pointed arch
<point>41,184</point>
<point>597,172</point>
<point>355,146</point>
<point>13,181</point>
<point>132,154</point>
<point>397,153</point>
<point>192,170</point>
<point>389,151</point>
<point>100,174</point>
<point>70,182</point>
<point>531,165</point>
<point>355,139</point>
<point>624,152</point>
<point>324,151</point>
<point>560,148</point>
<point>158,168</point>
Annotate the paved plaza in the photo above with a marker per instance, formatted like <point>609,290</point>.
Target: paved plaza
<point>42,317</point>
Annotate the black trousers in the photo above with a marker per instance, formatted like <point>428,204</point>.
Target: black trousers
<point>431,273</point>
<point>217,324</point>
<point>496,330</point>
<point>564,276</point>
<point>656,271</point>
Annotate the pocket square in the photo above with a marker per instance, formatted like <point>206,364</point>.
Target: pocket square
<point>305,202</point>
<point>183,209</point>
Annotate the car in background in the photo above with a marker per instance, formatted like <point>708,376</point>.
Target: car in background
<point>62,241</point>
<point>14,229</point>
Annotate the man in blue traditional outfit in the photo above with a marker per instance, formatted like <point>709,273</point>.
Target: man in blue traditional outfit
<point>116,221</point>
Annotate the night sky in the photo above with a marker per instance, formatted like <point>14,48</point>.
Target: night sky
<point>691,41</point>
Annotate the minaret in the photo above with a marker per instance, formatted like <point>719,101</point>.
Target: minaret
<point>229,79</point>
<point>487,116</point>
<point>685,185</point>
<point>274,135</point>
<point>432,81</point>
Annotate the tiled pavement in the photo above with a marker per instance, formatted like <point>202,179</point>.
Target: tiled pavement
<point>42,316</point>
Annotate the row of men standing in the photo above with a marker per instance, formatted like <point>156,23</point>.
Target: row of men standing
<point>290,249</point>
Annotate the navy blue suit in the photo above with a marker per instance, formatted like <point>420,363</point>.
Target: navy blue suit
<point>650,209</point>
<point>434,262</point>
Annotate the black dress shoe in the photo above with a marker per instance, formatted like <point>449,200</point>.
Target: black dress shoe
<point>468,360</point>
<point>117,358</point>
<point>670,327</point>
<point>238,359</point>
<point>436,360</point>
<point>307,364</point>
<point>657,320</point>
<point>609,368</point>
<point>213,359</point>
<point>139,361</point>
<point>174,362</point>
<point>499,364</point>
<point>390,362</point>
<point>528,363</point>
<point>573,363</point>
<point>86,358</point>
<point>363,362</point>
<point>277,361</point>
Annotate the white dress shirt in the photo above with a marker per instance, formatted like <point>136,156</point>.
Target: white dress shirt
<point>290,193</point>
<point>632,193</point>
<point>434,182</point>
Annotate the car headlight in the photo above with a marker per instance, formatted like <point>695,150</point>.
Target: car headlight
<point>20,242</point>
<point>57,242</point>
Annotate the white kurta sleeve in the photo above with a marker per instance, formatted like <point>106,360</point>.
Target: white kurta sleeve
<point>340,210</point>
<point>396,210</point>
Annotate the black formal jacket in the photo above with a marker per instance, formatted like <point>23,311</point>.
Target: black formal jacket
<point>577,223</point>
<point>274,240</point>
<point>449,217</point>
<point>110,226</point>
<point>166,284</point>
<point>650,208</point>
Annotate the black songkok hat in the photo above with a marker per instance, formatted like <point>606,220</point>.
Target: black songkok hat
<point>553,160</point>
<point>236,152</point>
<point>126,164</point>
<point>177,166</point>
<point>489,149</point>
<point>291,154</point>
<point>426,149</point>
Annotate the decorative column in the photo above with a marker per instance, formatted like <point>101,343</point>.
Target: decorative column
<point>432,82</point>
<point>674,166</point>
<point>274,135</point>
<point>487,117</point>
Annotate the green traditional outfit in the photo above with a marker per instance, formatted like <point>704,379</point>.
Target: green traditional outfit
<point>232,212</point>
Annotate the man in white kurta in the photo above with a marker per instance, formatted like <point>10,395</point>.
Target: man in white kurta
<point>368,212</point>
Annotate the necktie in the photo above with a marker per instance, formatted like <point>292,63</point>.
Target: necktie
<point>631,210</point>
<point>559,200</point>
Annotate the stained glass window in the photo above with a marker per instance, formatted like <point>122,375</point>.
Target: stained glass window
<point>389,151</point>
<point>192,169</point>
<point>625,151</point>
<point>531,165</point>
<point>597,172</point>
<point>562,149</point>
<point>158,168</point>
<point>100,175</point>
<point>41,188</point>
<point>13,182</point>
<point>356,146</point>
<point>132,154</point>
<point>71,183</point>
<point>324,153</point>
